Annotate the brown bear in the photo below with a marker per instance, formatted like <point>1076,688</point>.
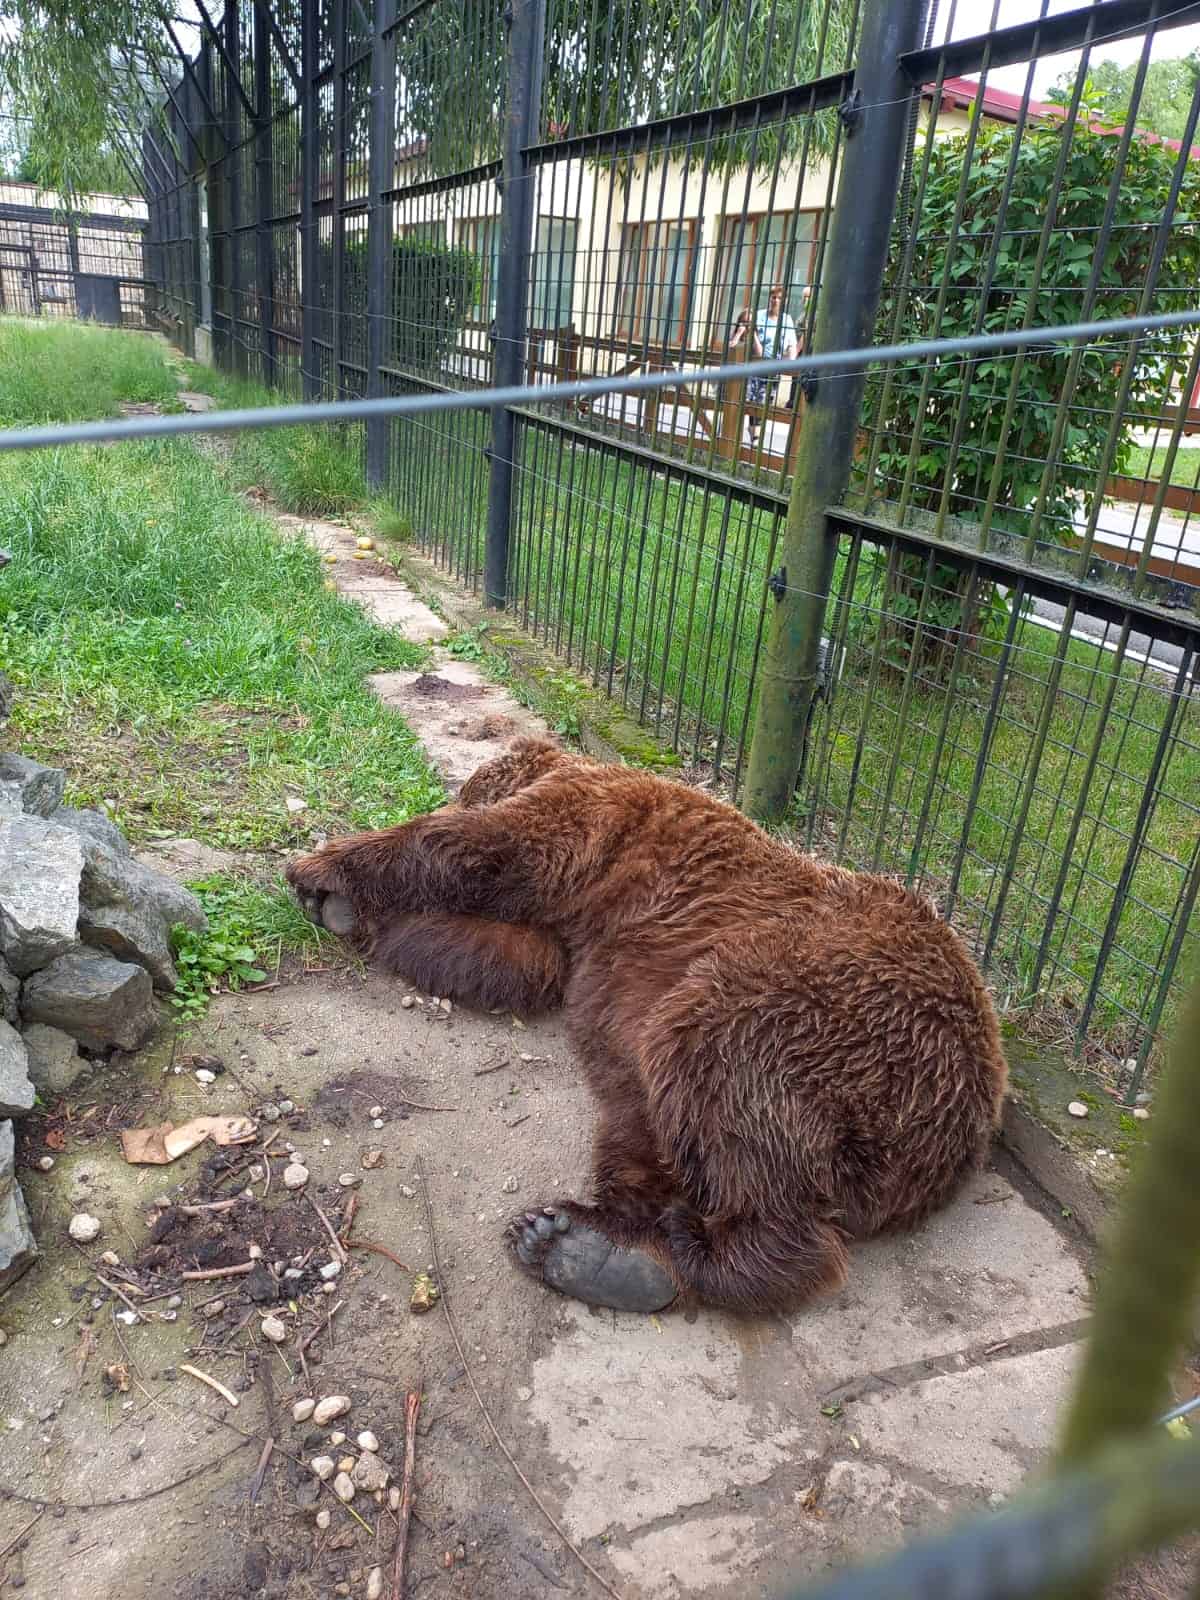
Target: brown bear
<point>786,1056</point>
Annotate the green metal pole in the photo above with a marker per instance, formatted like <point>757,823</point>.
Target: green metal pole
<point>876,120</point>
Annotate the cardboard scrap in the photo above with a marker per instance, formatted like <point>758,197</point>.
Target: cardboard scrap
<point>162,1143</point>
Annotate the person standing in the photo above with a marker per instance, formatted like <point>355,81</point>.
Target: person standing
<point>775,337</point>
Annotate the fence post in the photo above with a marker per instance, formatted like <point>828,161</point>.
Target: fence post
<point>525,23</point>
<point>876,118</point>
<point>232,187</point>
<point>336,323</point>
<point>310,288</point>
<point>264,206</point>
<point>381,178</point>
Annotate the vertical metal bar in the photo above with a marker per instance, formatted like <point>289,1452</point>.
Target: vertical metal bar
<point>231,56</point>
<point>264,254</point>
<point>338,228</point>
<point>310,289</point>
<point>525,21</point>
<point>379,228</point>
<point>854,268</point>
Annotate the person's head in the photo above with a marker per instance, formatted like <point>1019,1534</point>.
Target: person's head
<point>775,298</point>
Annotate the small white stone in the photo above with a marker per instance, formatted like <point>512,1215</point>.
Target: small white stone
<point>256,1173</point>
<point>324,1518</point>
<point>1142,1113</point>
<point>407,1003</point>
<point>333,1405</point>
<point>303,1409</point>
<point>346,1464</point>
<point>323,1466</point>
<point>330,1270</point>
<point>337,1437</point>
<point>129,1318</point>
<point>287,1105</point>
<point>255,1252</point>
<point>393,1498</point>
<point>294,805</point>
<point>110,1258</point>
<point>367,1441</point>
<point>407,1192</point>
<point>377,1123</point>
<point>375,1583</point>
<point>349,1180</point>
<point>329,1288</point>
<point>295,1176</point>
<point>1077,1109</point>
<point>46,1163</point>
<point>168,1316</point>
<point>273,1329</point>
<point>446,1006</point>
<point>83,1228</point>
<point>375,1111</point>
<point>343,1487</point>
<point>509,1186</point>
<point>326,1144</point>
<point>174,1302</point>
<point>203,1075</point>
<point>370,1474</point>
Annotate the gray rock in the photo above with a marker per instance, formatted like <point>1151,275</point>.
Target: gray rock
<point>10,989</point>
<point>18,1248</point>
<point>41,787</point>
<point>16,1091</point>
<point>40,869</point>
<point>98,1000</point>
<point>94,824</point>
<point>54,1060</point>
<point>129,910</point>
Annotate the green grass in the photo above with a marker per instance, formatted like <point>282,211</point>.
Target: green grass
<point>310,471</point>
<point>184,662</point>
<point>66,372</point>
<point>1150,462</point>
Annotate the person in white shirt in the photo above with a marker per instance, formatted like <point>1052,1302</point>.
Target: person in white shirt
<point>774,335</point>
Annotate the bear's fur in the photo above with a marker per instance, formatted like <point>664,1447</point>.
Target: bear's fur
<point>786,1056</point>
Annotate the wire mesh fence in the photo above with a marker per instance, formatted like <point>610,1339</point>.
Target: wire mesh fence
<point>356,201</point>
<point>72,260</point>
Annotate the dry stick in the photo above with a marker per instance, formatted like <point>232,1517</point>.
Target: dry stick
<point>412,1405</point>
<point>416,1104</point>
<point>194,1372</point>
<point>339,1248</point>
<point>28,1528</point>
<point>487,1416</point>
<point>499,1067</point>
<point>112,1289</point>
<point>260,1473</point>
<point>320,1327</point>
<point>379,1249</point>
<point>203,1206</point>
<point>218,1272</point>
<point>348,1219</point>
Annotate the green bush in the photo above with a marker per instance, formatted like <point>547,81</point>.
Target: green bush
<point>434,287</point>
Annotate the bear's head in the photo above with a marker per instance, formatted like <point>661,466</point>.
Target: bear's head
<point>524,762</point>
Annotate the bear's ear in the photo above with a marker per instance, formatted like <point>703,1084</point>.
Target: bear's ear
<point>531,745</point>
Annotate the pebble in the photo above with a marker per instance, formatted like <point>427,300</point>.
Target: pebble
<point>308,1049</point>
<point>343,1487</point>
<point>214,1308</point>
<point>346,1464</point>
<point>83,1228</point>
<point>333,1405</point>
<point>256,1173</point>
<point>407,1192</point>
<point>294,1274</point>
<point>375,1583</point>
<point>509,1186</point>
<point>1077,1109</point>
<point>110,1258</point>
<point>372,1159</point>
<point>377,1123</point>
<point>287,1105</point>
<point>349,1180</point>
<point>376,1111</point>
<point>394,1498</point>
<point>323,1466</point>
<point>168,1316</point>
<point>329,1288</point>
<point>46,1163</point>
<point>295,805</point>
<point>370,1473</point>
<point>129,1318</point>
<point>337,1437</point>
<point>407,1003</point>
<point>303,1409</point>
<point>1142,1113</point>
<point>203,1075</point>
<point>255,1252</point>
<point>295,1176</point>
<point>330,1270</point>
<point>272,1328</point>
<point>446,1006</point>
<point>269,1112</point>
<point>174,1302</point>
<point>324,1518</point>
<point>367,1441</point>
<point>135,1452</point>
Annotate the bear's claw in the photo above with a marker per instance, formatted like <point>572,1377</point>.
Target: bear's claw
<point>584,1263</point>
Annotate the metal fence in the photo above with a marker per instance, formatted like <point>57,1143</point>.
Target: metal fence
<point>949,619</point>
<point>77,260</point>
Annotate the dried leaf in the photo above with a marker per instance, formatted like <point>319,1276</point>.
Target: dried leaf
<point>118,1376</point>
<point>56,1138</point>
<point>84,1351</point>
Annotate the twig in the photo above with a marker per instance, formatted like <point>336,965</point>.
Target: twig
<point>348,1219</point>
<point>308,1339</point>
<point>218,1272</point>
<point>137,1310</point>
<point>128,1499</point>
<point>194,1372</point>
<point>28,1528</point>
<point>339,1248</point>
<point>256,1482</point>
<point>202,1207</point>
<point>498,1067</point>
<point>380,1250</point>
<point>412,1405</point>
<point>487,1416</point>
<point>418,1106</point>
<point>517,1121</point>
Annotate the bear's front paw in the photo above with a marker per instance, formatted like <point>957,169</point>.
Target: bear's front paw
<point>316,883</point>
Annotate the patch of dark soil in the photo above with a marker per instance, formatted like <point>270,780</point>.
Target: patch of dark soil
<point>495,726</point>
<point>341,1098</point>
<point>435,688</point>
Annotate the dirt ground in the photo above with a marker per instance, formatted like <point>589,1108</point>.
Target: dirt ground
<point>696,1454</point>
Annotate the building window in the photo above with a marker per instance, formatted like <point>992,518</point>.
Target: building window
<point>757,252</point>
<point>481,236</point>
<point>654,286</point>
<point>553,274</point>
